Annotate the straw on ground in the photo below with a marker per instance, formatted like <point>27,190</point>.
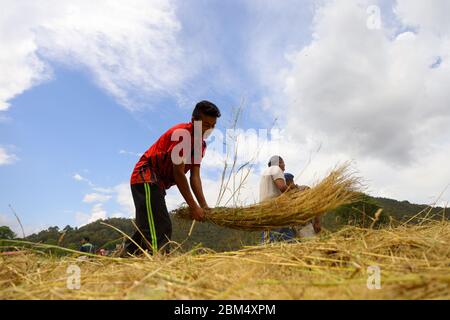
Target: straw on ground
<point>414,263</point>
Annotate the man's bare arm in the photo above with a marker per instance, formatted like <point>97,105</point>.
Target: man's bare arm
<point>281,185</point>
<point>196,185</point>
<point>317,224</point>
<point>183,185</point>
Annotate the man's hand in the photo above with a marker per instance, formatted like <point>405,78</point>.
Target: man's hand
<point>205,206</point>
<point>197,213</point>
<point>317,225</point>
<point>196,185</point>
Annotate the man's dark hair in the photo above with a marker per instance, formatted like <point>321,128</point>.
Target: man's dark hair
<point>86,239</point>
<point>207,108</point>
<point>275,160</point>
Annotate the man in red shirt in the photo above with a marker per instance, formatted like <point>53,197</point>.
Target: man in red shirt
<point>163,165</point>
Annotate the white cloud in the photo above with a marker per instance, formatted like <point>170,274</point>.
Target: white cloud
<point>97,212</point>
<point>211,186</point>
<point>96,197</point>
<point>376,96</point>
<point>79,177</point>
<point>130,153</point>
<point>366,93</point>
<point>103,190</point>
<point>244,146</point>
<point>6,157</point>
<point>121,193</point>
<point>10,222</point>
<point>125,199</point>
<point>276,26</point>
<point>13,224</point>
<point>119,215</point>
<point>129,47</point>
<point>430,16</point>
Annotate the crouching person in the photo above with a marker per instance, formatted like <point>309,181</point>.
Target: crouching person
<point>272,185</point>
<point>164,164</point>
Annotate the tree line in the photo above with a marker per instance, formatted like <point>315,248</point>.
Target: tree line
<point>369,212</point>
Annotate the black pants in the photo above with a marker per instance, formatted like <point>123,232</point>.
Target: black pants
<point>152,219</point>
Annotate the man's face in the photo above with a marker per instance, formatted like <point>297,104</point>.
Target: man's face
<point>208,123</point>
<point>281,164</point>
<point>290,183</point>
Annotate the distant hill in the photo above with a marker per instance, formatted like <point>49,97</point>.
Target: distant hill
<point>223,239</point>
<point>393,213</point>
<point>401,210</point>
<point>204,234</point>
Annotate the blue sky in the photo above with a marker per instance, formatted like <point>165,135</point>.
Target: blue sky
<point>63,127</point>
<point>85,92</point>
<point>67,125</point>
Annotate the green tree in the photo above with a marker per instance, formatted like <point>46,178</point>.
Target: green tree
<point>53,229</point>
<point>6,233</point>
<point>68,228</point>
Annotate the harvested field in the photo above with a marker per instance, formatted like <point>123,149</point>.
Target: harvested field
<point>414,262</point>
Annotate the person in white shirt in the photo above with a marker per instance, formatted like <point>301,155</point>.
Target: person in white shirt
<point>272,185</point>
<point>309,229</point>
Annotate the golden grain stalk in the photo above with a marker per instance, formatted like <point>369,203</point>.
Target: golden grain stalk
<point>294,207</point>
<point>414,263</point>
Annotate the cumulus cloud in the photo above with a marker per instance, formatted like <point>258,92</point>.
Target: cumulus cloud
<point>270,41</point>
<point>6,157</point>
<point>211,187</point>
<point>97,212</point>
<point>130,48</point>
<point>376,95</point>
<point>122,206</point>
<point>120,215</point>
<point>79,177</point>
<point>96,197</point>
<point>367,92</point>
<point>241,146</point>
<point>103,190</point>
<point>429,16</point>
<point>124,198</point>
<point>134,154</point>
<point>13,224</point>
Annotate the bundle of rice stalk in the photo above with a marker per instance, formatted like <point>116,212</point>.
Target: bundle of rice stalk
<point>292,208</point>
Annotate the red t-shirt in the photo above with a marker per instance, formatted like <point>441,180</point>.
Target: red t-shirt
<point>156,165</point>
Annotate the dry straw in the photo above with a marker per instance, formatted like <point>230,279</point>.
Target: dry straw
<point>294,207</point>
<point>414,262</point>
